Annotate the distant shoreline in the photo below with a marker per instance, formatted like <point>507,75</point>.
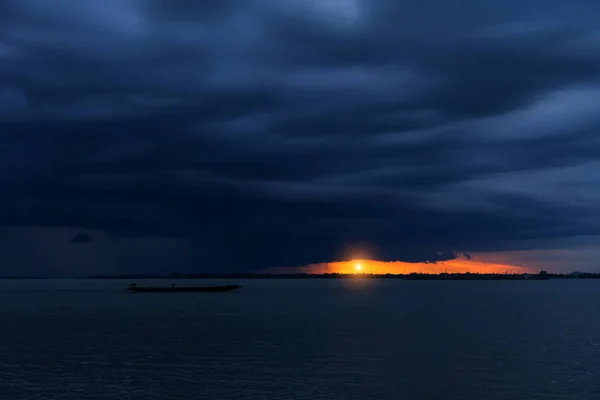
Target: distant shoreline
<point>413,276</point>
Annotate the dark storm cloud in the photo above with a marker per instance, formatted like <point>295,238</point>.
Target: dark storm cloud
<point>81,237</point>
<point>284,133</point>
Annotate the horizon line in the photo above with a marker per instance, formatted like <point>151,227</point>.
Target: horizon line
<point>215,275</point>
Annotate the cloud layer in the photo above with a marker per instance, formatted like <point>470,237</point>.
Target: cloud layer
<point>286,133</point>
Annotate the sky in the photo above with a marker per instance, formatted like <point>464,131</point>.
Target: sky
<point>252,135</point>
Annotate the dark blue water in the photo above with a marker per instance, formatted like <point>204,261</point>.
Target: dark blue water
<point>304,339</point>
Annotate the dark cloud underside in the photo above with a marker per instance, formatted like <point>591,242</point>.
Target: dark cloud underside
<point>284,133</point>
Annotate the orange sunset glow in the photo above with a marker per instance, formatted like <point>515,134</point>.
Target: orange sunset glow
<point>478,263</point>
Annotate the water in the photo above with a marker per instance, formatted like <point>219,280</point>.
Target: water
<point>302,339</point>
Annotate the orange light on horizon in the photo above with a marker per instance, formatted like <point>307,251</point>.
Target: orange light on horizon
<point>475,264</point>
<point>358,267</point>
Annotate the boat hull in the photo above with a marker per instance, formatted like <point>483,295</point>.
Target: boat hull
<point>198,289</point>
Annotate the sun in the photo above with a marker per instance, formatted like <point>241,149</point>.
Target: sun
<point>358,267</point>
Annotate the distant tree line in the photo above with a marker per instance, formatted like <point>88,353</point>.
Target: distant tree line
<point>542,275</point>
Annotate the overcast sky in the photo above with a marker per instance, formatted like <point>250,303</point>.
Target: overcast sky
<point>248,134</point>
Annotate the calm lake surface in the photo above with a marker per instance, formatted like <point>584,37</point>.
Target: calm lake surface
<point>301,339</point>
